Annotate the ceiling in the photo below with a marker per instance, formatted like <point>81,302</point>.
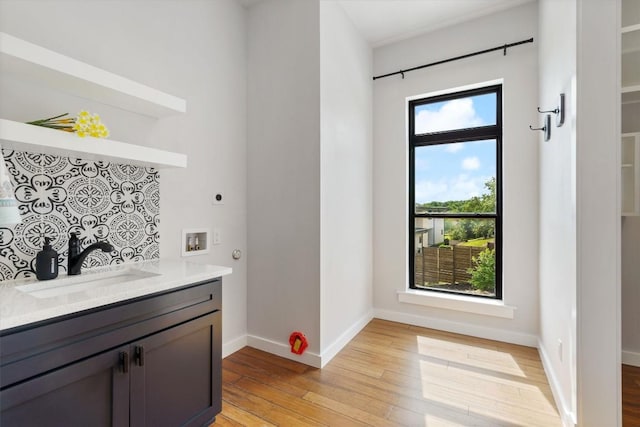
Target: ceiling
<point>386,21</point>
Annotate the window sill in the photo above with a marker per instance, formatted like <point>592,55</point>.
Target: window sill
<point>466,304</point>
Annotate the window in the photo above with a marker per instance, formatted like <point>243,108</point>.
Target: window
<point>455,193</point>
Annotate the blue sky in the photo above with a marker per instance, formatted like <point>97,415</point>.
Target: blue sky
<point>454,171</point>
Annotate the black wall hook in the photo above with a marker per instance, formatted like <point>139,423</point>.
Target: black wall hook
<point>558,111</point>
<point>546,128</point>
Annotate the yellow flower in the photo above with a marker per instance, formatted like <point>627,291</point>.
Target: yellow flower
<point>90,124</point>
<point>84,124</point>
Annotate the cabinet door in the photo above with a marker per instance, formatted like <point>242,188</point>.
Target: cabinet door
<point>176,375</point>
<point>94,392</point>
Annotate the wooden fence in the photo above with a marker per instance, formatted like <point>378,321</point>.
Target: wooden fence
<point>449,265</point>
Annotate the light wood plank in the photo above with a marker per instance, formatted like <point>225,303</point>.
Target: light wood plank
<point>266,410</point>
<point>242,417</point>
<point>630,396</point>
<point>393,374</point>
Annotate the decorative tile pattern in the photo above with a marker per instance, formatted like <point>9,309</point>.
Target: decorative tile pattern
<point>97,200</point>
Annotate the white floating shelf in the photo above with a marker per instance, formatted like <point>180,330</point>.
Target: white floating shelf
<point>22,137</point>
<point>630,88</point>
<point>630,29</point>
<point>630,40</point>
<point>61,72</point>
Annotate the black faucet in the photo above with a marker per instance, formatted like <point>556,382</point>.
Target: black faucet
<point>76,258</point>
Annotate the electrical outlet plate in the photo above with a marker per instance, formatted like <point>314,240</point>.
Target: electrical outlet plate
<point>560,353</point>
<point>217,238</point>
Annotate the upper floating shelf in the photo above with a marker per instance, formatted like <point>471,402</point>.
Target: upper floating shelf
<point>61,72</point>
<point>630,94</point>
<point>630,28</point>
<point>23,137</point>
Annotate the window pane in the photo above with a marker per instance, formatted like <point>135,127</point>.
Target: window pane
<point>456,177</point>
<point>455,255</point>
<point>461,113</point>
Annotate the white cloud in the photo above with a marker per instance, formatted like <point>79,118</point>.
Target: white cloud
<point>471,163</point>
<point>453,148</point>
<point>427,191</point>
<point>454,114</point>
<point>460,187</point>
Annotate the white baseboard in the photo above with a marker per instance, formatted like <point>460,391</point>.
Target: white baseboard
<point>234,345</point>
<point>344,339</point>
<point>308,358</point>
<point>567,415</point>
<point>631,358</point>
<point>458,328</point>
<point>283,350</point>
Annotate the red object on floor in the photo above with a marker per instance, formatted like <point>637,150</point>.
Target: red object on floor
<point>298,342</point>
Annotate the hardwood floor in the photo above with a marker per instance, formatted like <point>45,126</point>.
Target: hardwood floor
<point>630,396</point>
<point>392,374</point>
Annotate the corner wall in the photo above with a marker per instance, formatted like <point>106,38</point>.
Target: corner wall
<point>283,160</point>
<point>598,303</point>
<point>518,69</point>
<point>309,174</point>
<point>557,68</point>
<point>346,198</point>
<point>580,193</point>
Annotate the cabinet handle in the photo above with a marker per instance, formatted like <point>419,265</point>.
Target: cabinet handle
<point>124,362</point>
<point>140,355</point>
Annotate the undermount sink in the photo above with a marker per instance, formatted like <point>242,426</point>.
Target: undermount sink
<point>69,285</point>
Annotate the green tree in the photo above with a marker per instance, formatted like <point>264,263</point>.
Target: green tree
<point>467,229</point>
<point>485,202</point>
<point>463,230</point>
<point>483,273</point>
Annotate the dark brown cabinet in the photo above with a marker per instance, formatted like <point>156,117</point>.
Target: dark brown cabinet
<point>152,361</point>
<point>91,392</point>
<point>172,377</point>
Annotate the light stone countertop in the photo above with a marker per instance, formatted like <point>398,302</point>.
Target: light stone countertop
<point>27,301</point>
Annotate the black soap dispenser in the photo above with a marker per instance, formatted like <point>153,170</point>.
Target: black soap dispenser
<point>47,262</point>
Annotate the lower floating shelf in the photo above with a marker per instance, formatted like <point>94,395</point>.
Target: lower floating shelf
<point>23,137</point>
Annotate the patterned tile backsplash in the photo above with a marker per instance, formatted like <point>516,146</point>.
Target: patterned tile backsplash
<point>97,200</point>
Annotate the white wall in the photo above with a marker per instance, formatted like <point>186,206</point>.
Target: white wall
<point>630,290</point>
<point>519,71</point>
<point>579,174</point>
<point>557,65</point>
<point>194,49</point>
<point>309,175</point>
<point>346,198</point>
<point>598,208</point>
<point>283,160</point>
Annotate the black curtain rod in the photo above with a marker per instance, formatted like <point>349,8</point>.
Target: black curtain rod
<point>480,52</point>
